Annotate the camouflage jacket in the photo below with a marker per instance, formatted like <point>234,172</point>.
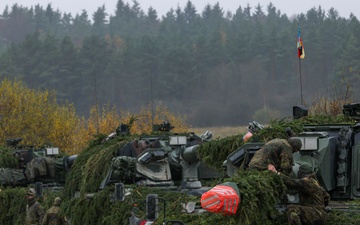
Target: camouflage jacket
<point>277,152</point>
<point>34,214</point>
<point>310,192</point>
<point>52,217</point>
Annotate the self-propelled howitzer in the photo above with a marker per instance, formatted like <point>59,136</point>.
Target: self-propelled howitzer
<point>27,165</point>
<point>162,159</point>
<point>333,151</point>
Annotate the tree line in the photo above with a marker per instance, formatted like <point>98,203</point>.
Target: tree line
<point>215,67</point>
<point>37,118</point>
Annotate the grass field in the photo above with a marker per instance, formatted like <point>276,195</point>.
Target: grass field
<point>220,132</point>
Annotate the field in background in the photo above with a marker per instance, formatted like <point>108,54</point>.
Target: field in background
<point>220,132</point>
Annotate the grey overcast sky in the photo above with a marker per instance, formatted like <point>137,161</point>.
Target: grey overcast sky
<point>288,7</point>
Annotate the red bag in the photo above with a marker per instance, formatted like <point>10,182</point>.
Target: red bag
<point>223,199</point>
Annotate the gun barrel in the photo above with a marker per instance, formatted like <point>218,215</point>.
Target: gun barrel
<point>190,154</point>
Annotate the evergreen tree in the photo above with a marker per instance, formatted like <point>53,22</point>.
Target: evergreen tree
<point>181,58</point>
<point>99,26</point>
<point>94,58</point>
<point>81,28</point>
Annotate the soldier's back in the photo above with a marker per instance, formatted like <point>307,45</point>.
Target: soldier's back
<point>266,155</point>
<point>34,214</point>
<point>52,217</point>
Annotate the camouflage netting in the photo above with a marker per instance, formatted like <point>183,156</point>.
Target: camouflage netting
<point>216,151</point>
<point>7,158</point>
<point>259,194</point>
<point>341,217</point>
<point>256,207</point>
<point>259,191</point>
<point>92,165</point>
<point>12,205</point>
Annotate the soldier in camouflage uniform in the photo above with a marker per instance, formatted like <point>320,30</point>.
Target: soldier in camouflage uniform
<point>52,216</point>
<point>277,152</point>
<point>313,198</point>
<point>34,211</point>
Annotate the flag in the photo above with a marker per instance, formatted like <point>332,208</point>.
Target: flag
<point>300,46</point>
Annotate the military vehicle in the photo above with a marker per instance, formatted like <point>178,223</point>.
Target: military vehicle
<point>41,166</point>
<point>170,160</point>
<point>333,151</point>
<point>163,159</point>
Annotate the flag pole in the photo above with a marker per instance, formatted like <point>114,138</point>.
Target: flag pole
<point>301,94</point>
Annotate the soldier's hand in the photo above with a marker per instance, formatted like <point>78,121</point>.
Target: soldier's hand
<point>272,168</point>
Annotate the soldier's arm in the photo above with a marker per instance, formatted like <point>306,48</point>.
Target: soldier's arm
<point>286,161</point>
<point>326,198</point>
<point>45,222</point>
<point>41,213</point>
<point>298,184</point>
<point>63,221</point>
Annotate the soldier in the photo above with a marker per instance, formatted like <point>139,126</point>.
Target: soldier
<point>34,211</point>
<point>313,198</point>
<point>52,216</point>
<point>277,152</point>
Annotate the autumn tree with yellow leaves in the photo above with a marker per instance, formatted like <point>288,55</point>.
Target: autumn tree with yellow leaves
<point>37,118</point>
<point>146,118</point>
<point>34,116</point>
